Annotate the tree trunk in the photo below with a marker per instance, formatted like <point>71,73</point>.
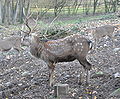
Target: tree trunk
<point>55,8</point>
<point>27,10</point>
<point>113,5</point>
<point>87,6</point>
<point>21,9</point>
<point>16,12</point>
<point>94,6</point>
<point>5,17</point>
<point>0,11</point>
<point>75,6</point>
<point>78,6</point>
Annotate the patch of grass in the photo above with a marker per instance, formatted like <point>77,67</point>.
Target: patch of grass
<point>92,18</point>
<point>80,20</point>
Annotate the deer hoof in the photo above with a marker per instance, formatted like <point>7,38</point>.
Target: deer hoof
<point>79,83</point>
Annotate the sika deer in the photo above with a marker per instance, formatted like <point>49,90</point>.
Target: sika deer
<point>10,42</point>
<point>61,50</point>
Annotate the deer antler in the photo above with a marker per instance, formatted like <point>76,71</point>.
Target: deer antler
<point>26,23</point>
<point>36,20</point>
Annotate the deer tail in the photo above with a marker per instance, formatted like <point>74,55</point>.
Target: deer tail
<point>90,43</point>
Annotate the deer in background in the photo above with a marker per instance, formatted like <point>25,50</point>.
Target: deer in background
<point>61,50</point>
<point>99,32</point>
<point>14,42</point>
<point>10,42</point>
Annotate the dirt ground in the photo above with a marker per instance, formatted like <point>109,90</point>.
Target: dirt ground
<point>25,77</point>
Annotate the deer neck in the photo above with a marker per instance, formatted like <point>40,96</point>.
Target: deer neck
<point>36,47</point>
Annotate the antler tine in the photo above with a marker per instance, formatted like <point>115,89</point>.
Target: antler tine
<point>36,20</point>
<point>26,23</point>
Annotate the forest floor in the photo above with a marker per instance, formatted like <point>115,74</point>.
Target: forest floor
<point>26,77</point>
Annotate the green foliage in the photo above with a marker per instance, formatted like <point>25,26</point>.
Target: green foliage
<point>75,28</point>
<point>54,32</point>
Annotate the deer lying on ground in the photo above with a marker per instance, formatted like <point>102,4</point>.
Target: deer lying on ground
<point>15,42</point>
<point>9,43</point>
<point>61,50</point>
<point>99,32</point>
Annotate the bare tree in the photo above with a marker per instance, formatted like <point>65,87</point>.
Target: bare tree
<point>94,6</point>
<point>79,4</point>
<point>58,6</point>
<point>114,5</point>
<point>86,6</point>
<point>12,11</point>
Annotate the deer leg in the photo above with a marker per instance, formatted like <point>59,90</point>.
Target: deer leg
<point>113,41</point>
<point>96,44</point>
<point>80,80</point>
<point>51,74</point>
<point>87,76</point>
<point>87,67</point>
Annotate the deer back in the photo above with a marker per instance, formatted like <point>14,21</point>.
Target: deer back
<point>66,49</point>
<point>103,31</point>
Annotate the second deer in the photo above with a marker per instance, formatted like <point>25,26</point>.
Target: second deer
<point>10,42</point>
<point>106,30</point>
